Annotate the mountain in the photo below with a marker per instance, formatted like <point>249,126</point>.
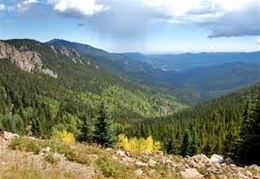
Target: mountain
<point>192,78</point>
<point>214,81</point>
<point>134,70</point>
<point>58,87</point>
<point>186,61</point>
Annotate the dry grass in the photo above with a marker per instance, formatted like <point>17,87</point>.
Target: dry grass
<point>25,159</point>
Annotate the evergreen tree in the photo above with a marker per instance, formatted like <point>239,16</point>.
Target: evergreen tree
<point>193,148</point>
<point>104,134</point>
<point>36,128</point>
<point>250,133</point>
<point>170,146</point>
<point>185,144</point>
<point>207,150</point>
<point>86,133</point>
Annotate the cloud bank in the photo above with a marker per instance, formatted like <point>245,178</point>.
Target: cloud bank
<point>129,19</point>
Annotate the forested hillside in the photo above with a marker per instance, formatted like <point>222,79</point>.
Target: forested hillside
<point>37,99</point>
<point>212,127</point>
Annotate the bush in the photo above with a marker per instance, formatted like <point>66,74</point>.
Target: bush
<point>26,144</point>
<point>51,158</point>
<point>64,136</point>
<point>110,167</point>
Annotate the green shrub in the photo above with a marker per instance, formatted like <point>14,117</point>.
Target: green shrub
<point>110,167</point>
<point>26,144</point>
<point>51,158</point>
<point>58,147</point>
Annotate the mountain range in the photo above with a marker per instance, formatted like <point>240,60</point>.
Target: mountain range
<point>192,78</point>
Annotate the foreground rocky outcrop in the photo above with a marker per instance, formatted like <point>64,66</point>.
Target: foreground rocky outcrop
<point>196,167</point>
<point>94,162</point>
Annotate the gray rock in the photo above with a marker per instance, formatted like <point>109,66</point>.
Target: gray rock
<point>121,153</point>
<point>191,173</point>
<point>216,158</point>
<point>152,163</point>
<point>146,153</point>
<point>141,164</point>
<point>138,172</point>
<point>228,161</point>
<point>8,135</point>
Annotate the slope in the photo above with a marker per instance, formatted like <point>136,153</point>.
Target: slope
<point>213,126</point>
<point>32,96</point>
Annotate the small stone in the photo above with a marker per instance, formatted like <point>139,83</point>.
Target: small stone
<point>138,172</point>
<point>128,154</point>
<point>152,163</point>
<point>241,176</point>
<point>146,153</point>
<point>159,153</point>
<point>248,173</point>
<point>141,164</point>
<point>121,153</point>
<point>127,159</point>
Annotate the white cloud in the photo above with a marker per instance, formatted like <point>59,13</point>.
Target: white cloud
<point>2,7</point>
<point>222,17</point>
<point>25,6</point>
<point>77,7</point>
<point>28,2</point>
<point>242,21</point>
<point>257,39</point>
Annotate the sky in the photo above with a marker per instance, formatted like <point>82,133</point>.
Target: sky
<point>147,26</point>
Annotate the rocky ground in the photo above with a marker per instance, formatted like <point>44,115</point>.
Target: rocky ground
<point>21,164</point>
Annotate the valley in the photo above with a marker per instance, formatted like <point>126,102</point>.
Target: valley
<point>78,92</point>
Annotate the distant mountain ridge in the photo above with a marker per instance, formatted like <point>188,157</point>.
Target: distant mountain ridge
<point>191,77</point>
<point>179,62</point>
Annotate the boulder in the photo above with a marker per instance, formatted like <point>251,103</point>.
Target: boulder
<point>216,158</point>
<point>228,161</point>
<point>8,135</point>
<point>191,173</point>
<point>201,158</point>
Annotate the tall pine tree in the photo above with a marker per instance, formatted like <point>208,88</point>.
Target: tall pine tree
<point>104,134</point>
<point>86,131</point>
<point>185,144</point>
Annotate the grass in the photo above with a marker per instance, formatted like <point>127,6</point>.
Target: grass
<point>85,159</point>
<point>17,172</point>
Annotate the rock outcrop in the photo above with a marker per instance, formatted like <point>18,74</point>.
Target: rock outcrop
<point>195,167</point>
<point>25,59</point>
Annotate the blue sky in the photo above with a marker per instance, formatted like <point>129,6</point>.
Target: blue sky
<point>148,26</point>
